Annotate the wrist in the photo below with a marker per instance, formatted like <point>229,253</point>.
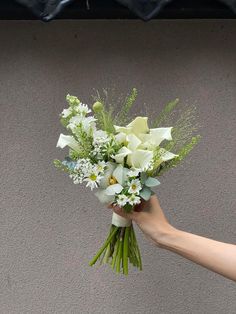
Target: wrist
<point>168,237</point>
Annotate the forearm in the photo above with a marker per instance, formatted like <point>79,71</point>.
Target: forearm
<point>216,256</point>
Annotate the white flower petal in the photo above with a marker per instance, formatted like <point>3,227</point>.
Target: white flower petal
<point>99,133</point>
<point>139,125</point>
<point>141,159</point>
<point>133,142</point>
<point>120,137</point>
<point>120,174</point>
<point>103,197</point>
<point>122,153</point>
<point>107,175</point>
<point>66,112</point>
<point>160,134</point>
<point>122,129</point>
<point>68,140</point>
<point>114,189</point>
<point>167,156</point>
<point>133,172</point>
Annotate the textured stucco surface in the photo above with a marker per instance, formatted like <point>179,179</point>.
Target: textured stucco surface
<point>50,228</point>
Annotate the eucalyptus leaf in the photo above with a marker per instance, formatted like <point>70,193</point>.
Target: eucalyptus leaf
<point>145,193</point>
<point>143,177</point>
<point>150,182</point>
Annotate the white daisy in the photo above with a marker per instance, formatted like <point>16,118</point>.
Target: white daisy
<point>134,186</point>
<point>121,200</point>
<point>134,199</point>
<point>93,180</point>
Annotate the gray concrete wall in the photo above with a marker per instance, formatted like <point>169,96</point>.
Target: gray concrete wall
<point>49,228</point>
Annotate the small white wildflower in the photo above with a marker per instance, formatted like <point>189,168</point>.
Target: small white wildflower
<point>100,134</point>
<point>98,146</point>
<point>88,123</point>
<point>74,122</point>
<point>122,199</point>
<point>66,112</point>
<point>101,166</point>
<point>134,186</point>
<point>82,109</point>
<point>134,200</point>
<point>84,166</point>
<point>77,178</point>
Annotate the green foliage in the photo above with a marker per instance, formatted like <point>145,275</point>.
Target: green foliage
<point>85,141</point>
<point>165,113</point>
<point>183,129</point>
<point>65,121</point>
<point>72,100</point>
<point>122,117</point>
<point>104,116</point>
<point>182,154</point>
<point>58,164</point>
<point>104,109</point>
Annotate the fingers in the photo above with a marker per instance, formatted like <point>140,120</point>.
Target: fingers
<point>120,211</point>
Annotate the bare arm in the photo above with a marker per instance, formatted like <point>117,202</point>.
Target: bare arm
<point>217,256</point>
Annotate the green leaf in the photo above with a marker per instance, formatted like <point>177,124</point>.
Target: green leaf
<point>150,182</point>
<point>143,177</point>
<point>145,193</point>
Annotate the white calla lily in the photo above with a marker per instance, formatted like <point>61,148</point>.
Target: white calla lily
<point>120,174</point>
<point>139,125</point>
<point>68,140</point>
<point>160,134</point>
<point>104,182</point>
<point>120,137</point>
<point>140,159</point>
<point>133,142</point>
<point>166,155</point>
<point>123,129</point>
<point>122,153</point>
<point>112,182</point>
<point>114,189</point>
<point>103,197</point>
<point>140,143</point>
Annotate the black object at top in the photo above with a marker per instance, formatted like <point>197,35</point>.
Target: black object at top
<point>147,9</point>
<point>46,10</point>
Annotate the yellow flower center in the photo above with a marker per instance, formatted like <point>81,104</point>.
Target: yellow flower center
<point>112,180</point>
<point>93,177</point>
<point>134,186</point>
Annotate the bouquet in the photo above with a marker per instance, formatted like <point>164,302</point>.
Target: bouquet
<point>120,160</point>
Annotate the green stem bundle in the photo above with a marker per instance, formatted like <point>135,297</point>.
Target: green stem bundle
<point>119,249</point>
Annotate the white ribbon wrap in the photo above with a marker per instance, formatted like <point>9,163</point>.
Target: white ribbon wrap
<point>119,221</point>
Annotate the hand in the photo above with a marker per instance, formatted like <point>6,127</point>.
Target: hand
<point>150,218</point>
<point>217,256</point>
